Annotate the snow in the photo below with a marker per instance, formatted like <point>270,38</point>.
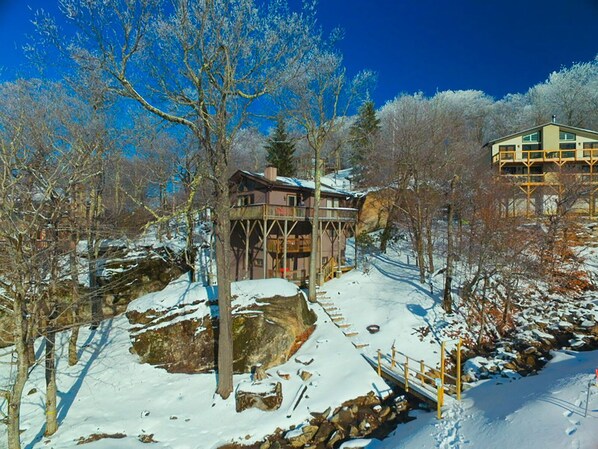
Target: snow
<point>547,410</point>
<point>109,391</point>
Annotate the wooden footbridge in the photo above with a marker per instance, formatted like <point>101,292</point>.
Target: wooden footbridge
<point>433,385</point>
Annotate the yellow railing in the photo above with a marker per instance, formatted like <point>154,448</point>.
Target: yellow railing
<point>545,155</point>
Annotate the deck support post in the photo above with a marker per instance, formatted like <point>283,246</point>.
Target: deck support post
<point>379,363</point>
<point>247,234</point>
<point>406,372</point>
<point>265,248</point>
<point>284,260</point>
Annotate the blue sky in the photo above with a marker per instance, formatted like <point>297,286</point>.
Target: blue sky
<point>499,47</point>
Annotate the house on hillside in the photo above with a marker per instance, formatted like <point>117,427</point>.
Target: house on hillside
<point>551,167</point>
<point>271,227</point>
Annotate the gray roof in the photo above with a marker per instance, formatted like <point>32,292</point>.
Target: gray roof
<point>538,127</point>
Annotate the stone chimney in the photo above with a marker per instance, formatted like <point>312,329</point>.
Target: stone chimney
<point>553,118</point>
<point>271,173</point>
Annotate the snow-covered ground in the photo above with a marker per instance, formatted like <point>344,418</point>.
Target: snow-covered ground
<point>110,392</point>
<point>544,411</point>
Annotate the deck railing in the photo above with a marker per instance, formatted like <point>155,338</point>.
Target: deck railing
<point>552,178</point>
<point>301,244</point>
<point>566,155</point>
<point>267,211</point>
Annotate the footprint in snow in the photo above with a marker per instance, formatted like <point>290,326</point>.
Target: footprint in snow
<point>567,413</point>
<point>571,430</point>
<point>575,422</point>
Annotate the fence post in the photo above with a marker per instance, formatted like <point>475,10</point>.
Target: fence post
<point>442,349</point>
<point>438,398</point>
<point>379,364</point>
<point>392,362</point>
<point>422,369</point>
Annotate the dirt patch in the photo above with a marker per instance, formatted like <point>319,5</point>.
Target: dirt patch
<point>100,436</point>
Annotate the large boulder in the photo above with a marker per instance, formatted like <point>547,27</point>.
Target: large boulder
<point>176,329</point>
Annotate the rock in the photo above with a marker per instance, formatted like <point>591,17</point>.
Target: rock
<point>283,375</point>
<point>323,433</point>
<point>343,418</point>
<point>300,437</point>
<point>266,445</point>
<point>321,416</point>
<point>304,359</point>
<point>264,396</point>
<point>354,432</point>
<point>32,391</point>
<point>337,436</point>
<point>384,411</point>
<point>305,375</point>
<point>264,333</point>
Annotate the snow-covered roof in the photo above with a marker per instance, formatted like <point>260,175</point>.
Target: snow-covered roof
<point>297,183</point>
<point>538,127</point>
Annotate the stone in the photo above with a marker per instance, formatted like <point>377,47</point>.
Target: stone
<point>264,396</point>
<point>266,333</point>
<point>305,375</point>
<point>300,437</point>
<point>323,433</point>
<point>337,436</point>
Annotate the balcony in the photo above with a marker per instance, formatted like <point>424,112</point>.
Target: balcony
<point>301,244</point>
<point>551,178</point>
<point>531,156</point>
<point>294,213</point>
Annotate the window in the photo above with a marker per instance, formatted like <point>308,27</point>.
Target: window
<point>292,200</point>
<point>244,200</point>
<point>590,145</point>
<point>566,136</point>
<point>508,151</point>
<point>567,146</point>
<point>258,262</point>
<point>533,137</point>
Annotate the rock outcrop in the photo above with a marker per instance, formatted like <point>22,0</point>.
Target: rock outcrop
<point>182,337</point>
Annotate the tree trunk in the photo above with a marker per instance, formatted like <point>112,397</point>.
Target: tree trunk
<point>73,356</point>
<point>447,298</point>
<point>387,232</point>
<point>223,256</point>
<point>189,247</point>
<point>21,375</point>
<point>315,226</point>
<point>51,419</point>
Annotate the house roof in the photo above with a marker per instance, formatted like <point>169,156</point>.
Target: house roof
<point>292,183</point>
<point>538,127</point>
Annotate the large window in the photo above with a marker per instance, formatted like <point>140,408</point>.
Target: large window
<point>567,146</point>
<point>292,200</point>
<point>533,137</point>
<point>566,136</point>
<point>590,145</point>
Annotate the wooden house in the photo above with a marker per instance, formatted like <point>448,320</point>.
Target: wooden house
<point>550,166</point>
<point>271,221</point>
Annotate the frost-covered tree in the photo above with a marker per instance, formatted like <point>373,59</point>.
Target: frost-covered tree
<point>571,94</point>
<point>198,64</point>
<point>281,150</point>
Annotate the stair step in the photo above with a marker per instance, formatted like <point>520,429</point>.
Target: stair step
<point>337,318</point>
<point>330,308</point>
<point>350,333</point>
<point>360,345</point>
<point>343,325</point>
<point>335,315</point>
<point>326,304</point>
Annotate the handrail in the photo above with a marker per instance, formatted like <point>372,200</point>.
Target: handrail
<point>545,155</point>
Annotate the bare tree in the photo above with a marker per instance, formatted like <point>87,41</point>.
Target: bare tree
<point>199,64</point>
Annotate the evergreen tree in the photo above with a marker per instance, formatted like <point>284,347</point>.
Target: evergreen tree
<point>363,135</point>
<point>281,151</point>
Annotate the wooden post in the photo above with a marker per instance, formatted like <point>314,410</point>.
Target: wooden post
<point>265,248</point>
<point>247,232</point>
<point>459,369</point>
<point>439,392</point>
<point>422,369</point>
<point>392,362</point>
<point>284,262</point>
<point>379,363</point>
<point>442,364</point>
<point>406,372</point>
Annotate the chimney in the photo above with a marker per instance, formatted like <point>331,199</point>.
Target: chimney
<point>553,118</point>
<point>271,173</point>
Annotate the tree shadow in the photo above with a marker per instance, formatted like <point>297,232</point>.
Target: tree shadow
<point>66,399</point>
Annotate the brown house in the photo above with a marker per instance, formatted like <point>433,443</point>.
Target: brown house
<point>271,222</point>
